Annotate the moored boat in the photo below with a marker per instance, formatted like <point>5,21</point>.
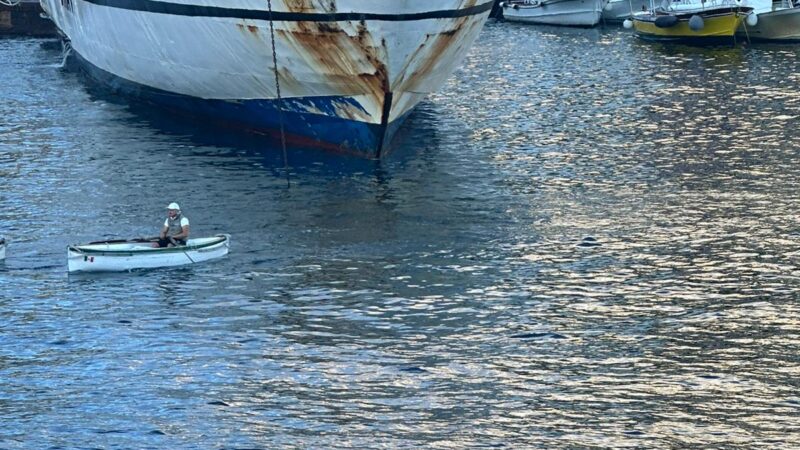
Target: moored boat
<point>618,10</point>
<point>348,71</point>
<point>124,255</point>
<point>708,23</point>
<point>2,249</point>
<point>777,21</point>
<point>577,13</point>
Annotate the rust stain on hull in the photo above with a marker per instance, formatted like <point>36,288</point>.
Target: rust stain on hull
<point>345,58</point>
<point>430,52</point>
<point>310,5</point>
<point>252,29</point>
<point>352,61</point>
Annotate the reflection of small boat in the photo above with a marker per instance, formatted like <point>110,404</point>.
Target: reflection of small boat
<point>774,21</point>
<point>619,10</point>
<point>2,249</point>
<point>118,256</point>
<point>578,13</point>
<point>707,23</point>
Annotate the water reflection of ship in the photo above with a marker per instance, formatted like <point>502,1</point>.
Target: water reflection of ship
<point>227,146</point>
<point>419,133</point>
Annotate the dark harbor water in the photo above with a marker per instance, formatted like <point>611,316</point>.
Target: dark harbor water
<point>582,241</point>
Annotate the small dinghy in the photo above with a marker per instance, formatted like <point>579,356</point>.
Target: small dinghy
<point>118,256</point>
<point>2,249</point>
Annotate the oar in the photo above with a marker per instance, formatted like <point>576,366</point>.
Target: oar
<point>185,253</point>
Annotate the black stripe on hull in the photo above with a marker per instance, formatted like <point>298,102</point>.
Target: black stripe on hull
<point>177,9</point>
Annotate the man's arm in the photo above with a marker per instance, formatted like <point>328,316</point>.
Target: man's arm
<point>184,234</point>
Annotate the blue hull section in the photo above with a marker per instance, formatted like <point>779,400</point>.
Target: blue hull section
<point>323,131</point>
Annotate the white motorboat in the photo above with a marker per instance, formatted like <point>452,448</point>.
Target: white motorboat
<point>577,13</point>
<point>2,249</point>
<point>124,255</point>
<point>340,75</point>
<point>619,10</point>
<point>777,21</point>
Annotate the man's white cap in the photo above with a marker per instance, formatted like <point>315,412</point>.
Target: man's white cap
<point>174,205</point>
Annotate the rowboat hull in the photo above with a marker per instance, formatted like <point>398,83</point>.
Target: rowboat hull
<point>125,256</point>
<point>719,26</point>
<point>349,71</point>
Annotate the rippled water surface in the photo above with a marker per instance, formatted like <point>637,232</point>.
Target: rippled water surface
<point>582,241</point>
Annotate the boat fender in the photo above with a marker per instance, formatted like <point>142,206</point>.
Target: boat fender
<point>752,19</point>
<point>628,24</point>
<point>666,21</point>
<point>696,23</point>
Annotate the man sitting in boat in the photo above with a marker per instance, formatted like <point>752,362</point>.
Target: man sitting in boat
<point>176,228</point>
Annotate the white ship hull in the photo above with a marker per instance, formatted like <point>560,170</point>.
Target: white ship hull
<point>349,70</point>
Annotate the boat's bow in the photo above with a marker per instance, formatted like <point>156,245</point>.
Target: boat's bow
<point>348,71</point>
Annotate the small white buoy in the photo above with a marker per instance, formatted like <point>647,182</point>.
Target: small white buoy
<point>752,19</point>
<point>627,23</point>
<point>696,23</point>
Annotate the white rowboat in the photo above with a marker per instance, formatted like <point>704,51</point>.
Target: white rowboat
<point>119,256</point>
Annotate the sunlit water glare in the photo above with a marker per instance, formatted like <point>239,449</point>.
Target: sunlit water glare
<point>582,241</point>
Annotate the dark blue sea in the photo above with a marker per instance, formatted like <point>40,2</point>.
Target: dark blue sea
<point>582,241</point>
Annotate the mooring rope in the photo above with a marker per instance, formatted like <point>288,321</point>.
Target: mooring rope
<point>744,25</point>
<point>278,90</point>
<point>11,3</point>
<point>66,49</point>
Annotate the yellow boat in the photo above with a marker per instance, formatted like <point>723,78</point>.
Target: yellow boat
<point>691,24</point>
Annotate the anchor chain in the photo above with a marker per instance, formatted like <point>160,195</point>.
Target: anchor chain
<point>278,91</point>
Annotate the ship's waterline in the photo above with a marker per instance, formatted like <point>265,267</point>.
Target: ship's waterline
<point>349,71</point>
